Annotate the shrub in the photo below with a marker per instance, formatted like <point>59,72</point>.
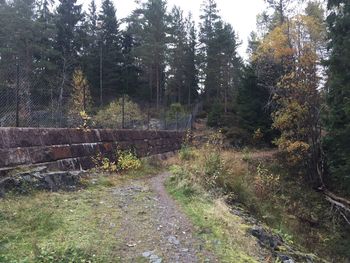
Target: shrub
<point>103,163</point>
<point>201,115</point>
<point>237,136</point>
<point>265,182</point>
<point>215,116</point>
<point>128,161</point>
<point>111,116</point>
<point>86,120</point>
<point>213,169</point>
<point>186,153</point>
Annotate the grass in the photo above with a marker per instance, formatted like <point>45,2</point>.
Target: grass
<point>65,226</point>
<point>57,224</point>
<point>270,193</point>
<point>224,233</point>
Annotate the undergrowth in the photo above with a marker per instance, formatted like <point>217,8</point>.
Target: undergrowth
<point>285,203</point>
<point>124,161</point>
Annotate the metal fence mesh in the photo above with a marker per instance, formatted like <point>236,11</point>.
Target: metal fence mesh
<point>27,99</point>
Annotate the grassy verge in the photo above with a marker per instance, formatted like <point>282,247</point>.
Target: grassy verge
<point>255,180</point>
<point>65,226</point>
<point>224,233</point>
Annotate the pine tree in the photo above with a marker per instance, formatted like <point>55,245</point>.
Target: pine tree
<point>211,21</point>
<point>191,62</point>
<point>176,55</point>
<point>149,25</point>
<point>338,96</point>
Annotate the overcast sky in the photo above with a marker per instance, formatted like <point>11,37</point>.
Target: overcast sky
<point>241,14</point>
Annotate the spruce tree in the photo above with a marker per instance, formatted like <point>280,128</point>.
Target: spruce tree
<point>338,97</point>
<point>253,113</point>
<point>130,68</point>
<point>92,53</point>
<point>111,50</point>
<point>67,46</point>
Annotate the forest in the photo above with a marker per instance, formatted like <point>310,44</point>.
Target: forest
<point>63,64</point>
<point>292,92</point>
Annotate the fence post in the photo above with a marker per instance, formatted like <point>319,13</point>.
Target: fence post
<point>123,111</point>
<point>84,98</point>
<point>177,120</point>
<point>148,117</point>
<point>17,92</point>
<point>101,77</point>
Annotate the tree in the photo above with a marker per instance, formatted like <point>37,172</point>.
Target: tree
<point>18,47</point>
<point>210,20</point>
<point>92,54</point>
<point>177,55</point>
<point>338,94</point>
<point>46,67</point>
<point>149,25</point>
<point>252,110</point>
<point>81,97</point>
<point>191,62</point>
<point>130,68</point>
<point>111,50</point>
<point>297,101</point>
<point>230,66</point>
<point>67,44</point>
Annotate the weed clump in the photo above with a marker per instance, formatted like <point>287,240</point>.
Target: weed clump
<point>67,255</point>
<point>125,161</point>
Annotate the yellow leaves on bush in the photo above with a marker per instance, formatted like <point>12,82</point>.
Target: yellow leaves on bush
<point>86,121</point>
<point>265,182</point>
<point>128,161</point>
<point>296,151</point>
<point>104,163</point>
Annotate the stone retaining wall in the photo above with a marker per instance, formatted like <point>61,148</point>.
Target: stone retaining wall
<point>72,149</point>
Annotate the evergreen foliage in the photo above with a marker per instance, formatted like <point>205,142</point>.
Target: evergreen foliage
<point>158,57</point>
<point>338,96</point>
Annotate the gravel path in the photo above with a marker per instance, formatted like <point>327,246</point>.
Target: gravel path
<point>153,228</point>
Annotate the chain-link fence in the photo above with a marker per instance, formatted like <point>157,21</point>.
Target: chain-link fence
<point>28,99</point>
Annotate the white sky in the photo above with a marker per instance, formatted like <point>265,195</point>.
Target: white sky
<point>241,14</point>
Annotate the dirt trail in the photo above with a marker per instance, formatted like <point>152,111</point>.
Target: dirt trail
<point>153,228</point>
